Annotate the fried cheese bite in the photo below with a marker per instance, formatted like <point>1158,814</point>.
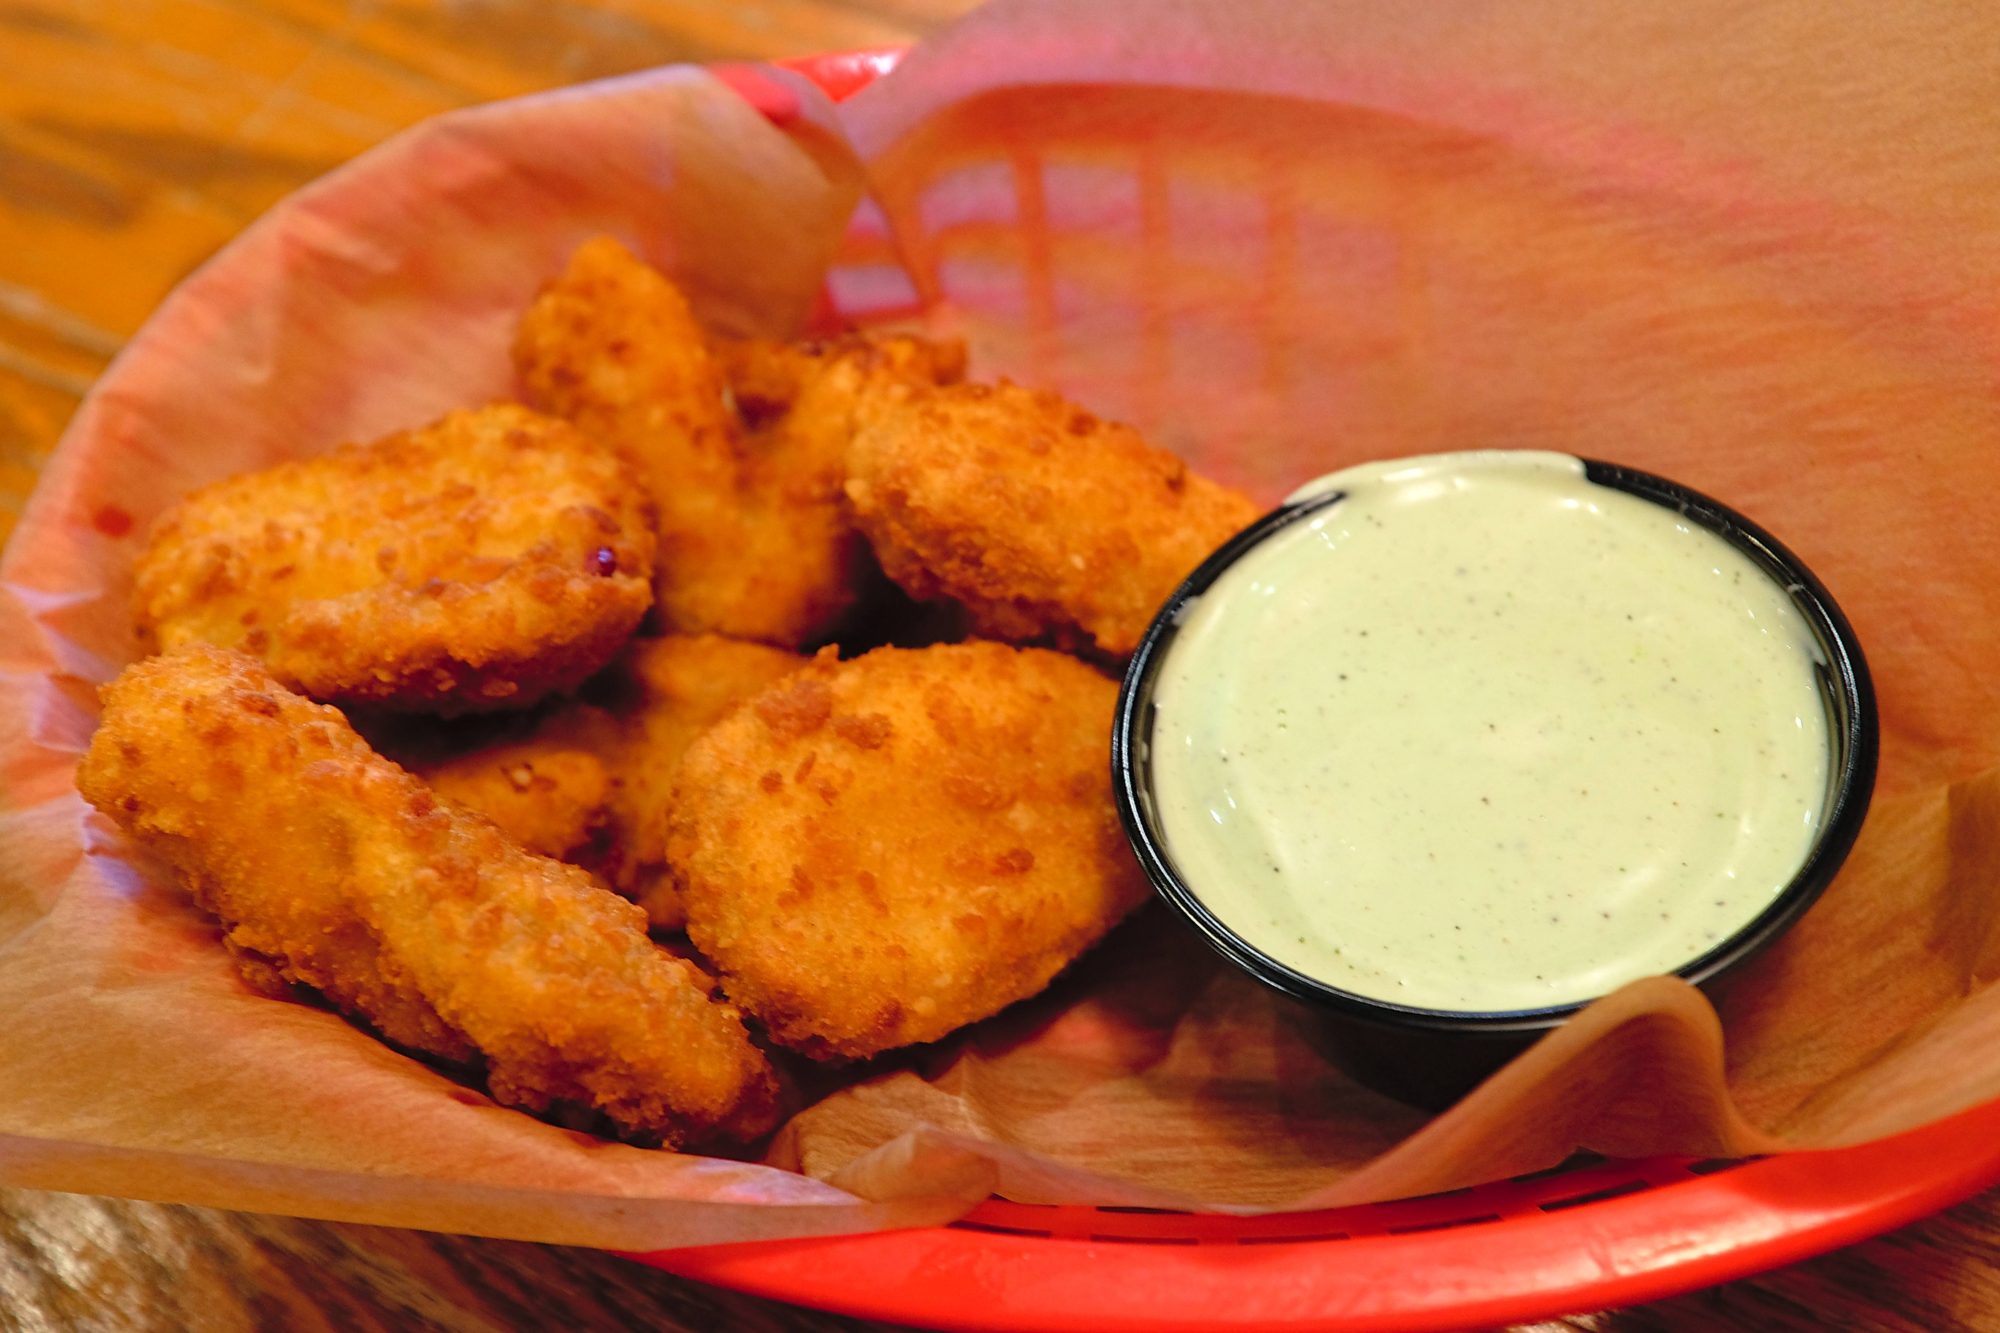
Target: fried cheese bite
<point>755,542</point>
<point>875,852</point>
<point>477,563</point>
<point>1046,523</point>
<point>332,868</point>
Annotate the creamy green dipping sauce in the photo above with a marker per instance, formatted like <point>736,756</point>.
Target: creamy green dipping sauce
<point>1485,735</point>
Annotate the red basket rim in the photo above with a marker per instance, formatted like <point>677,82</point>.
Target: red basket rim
<point>1618,1250</point>
<point>1614,1252</point>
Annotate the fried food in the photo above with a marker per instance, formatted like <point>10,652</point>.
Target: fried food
<point>1048,524</point>
<point>868,854</point>
<point>540,777</point>
<point>480,562</point>
<point>612,346</point>
<point>802,403</point>
<point>588,780</point>
<point>875,852</point>
<point>821,387</point>
<point>659,697</point>
<point>755,542</point>
<point>331,867</point>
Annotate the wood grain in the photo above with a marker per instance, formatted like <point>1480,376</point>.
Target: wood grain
<point>136,136</point>
<point>69,1262</point>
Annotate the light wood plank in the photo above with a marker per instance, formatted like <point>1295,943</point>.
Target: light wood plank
<point>138,136</point>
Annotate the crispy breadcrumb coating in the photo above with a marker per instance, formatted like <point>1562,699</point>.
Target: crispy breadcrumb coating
<point>659,696</point>
<point>333,868</point>
<point>588,780</point>
<point>538,776</point>
<point>769,380</point>
<point>612,346</point>
<point>875,852</point>
<point>1048,524</point>
<point>480,562</point>
<point>755,542</point>
<point>802,403</point>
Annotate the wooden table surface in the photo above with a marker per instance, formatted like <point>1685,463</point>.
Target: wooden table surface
<point>136,136</point>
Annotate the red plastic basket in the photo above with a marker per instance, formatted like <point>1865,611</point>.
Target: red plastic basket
<point>1586,1236</point>
<point>1589,1235</point>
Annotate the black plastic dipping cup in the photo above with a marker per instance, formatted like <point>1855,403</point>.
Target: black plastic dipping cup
<point>1432,1057</point>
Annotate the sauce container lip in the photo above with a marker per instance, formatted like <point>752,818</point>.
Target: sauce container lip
<point>1853,735</point>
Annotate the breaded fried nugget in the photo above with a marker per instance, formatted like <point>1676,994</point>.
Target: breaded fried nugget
<point>589,782</point>
<point>612,346</point>
<point>798,428</point>
<point>477,563</point>
<point>755,542</point>
<point>659,697</point>
<point>875,852</point>
<point>342,872</point>
<point>1048,524</point>
<point>831,377</point>
<point>540,777</point>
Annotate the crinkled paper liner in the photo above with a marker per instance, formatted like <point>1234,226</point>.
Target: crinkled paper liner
<point>1754,250</point>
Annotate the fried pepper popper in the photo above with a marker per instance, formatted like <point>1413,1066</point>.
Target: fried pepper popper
<point>659,697</point>
<point>539,776</point>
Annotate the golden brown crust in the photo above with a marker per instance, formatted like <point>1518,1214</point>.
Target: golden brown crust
<point>548,797</point>
<point>768,379</point>
<point>795,514</point>
<point>588,780</point>
<point>878,851</point>
<point>660,696</point>
<point>538,776</point>
<point>755,542</point>
<point>612,346</point>
<point>1048,524</point>
<point>333,868</point>
<point>480,562</point>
